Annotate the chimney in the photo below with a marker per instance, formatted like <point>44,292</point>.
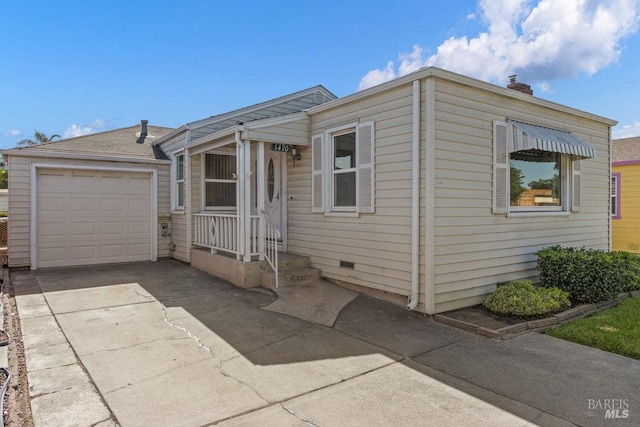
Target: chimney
<point>520,87</point>
<point>143,131</point>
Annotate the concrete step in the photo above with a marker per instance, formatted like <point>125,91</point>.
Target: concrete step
<point>289,276</point>
<point>291,261</point>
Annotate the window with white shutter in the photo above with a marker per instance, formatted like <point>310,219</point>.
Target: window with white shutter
<point>343,174</point>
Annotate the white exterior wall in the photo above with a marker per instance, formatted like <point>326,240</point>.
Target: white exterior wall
<point>19,202</point>
<point>379,244</point>
<point>475,249</point>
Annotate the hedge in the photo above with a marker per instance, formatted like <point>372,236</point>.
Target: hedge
<point>589,275</point>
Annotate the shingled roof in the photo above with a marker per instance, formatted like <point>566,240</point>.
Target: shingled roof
<point>114,143</point>
<point>625,149</point>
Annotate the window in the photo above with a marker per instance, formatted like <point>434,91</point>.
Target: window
<point>536,169</point>
<point>343,169</point>
<point>615,196</point>
<point>177,174</point>
<point>220,181</point>
<point>535,180</point>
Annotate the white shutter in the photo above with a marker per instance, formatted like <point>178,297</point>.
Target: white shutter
<point>366,172</point>
<point>576,186</point>
<point>317,199</point>
<point>501,170</point>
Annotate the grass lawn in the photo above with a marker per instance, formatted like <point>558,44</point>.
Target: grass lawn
<point>616,330</point>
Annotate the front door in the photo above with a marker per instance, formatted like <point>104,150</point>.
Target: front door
<point>273,190</point>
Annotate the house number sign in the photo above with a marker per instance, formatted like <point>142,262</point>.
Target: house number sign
<point>281,147</point>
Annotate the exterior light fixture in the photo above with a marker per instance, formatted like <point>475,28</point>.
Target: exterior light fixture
<point>295,155</point>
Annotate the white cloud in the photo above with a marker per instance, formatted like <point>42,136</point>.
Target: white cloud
<point>537,40</point>
<point>626,131</point>
<point>13,132</point>
<point>76,130</point>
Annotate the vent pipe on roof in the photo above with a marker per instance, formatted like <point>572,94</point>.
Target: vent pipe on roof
<point>143,131</point>
<point>520,87</point>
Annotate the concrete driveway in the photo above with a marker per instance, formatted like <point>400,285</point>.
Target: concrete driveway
<point>164,344</point>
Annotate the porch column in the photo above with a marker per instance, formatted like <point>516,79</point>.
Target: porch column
<point>260,188</point>
<point>247,200</point>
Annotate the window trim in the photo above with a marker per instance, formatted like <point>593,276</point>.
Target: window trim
<point>175,206</point>
<point>616,187</point>
<point>571,177</point>
<point>322,172</point>
<point>205,180</point>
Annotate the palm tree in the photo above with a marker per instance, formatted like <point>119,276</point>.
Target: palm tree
<point>39,138</point>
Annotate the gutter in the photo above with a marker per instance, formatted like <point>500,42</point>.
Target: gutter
<point>414,299</point>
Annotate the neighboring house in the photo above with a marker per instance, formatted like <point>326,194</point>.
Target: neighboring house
<point>409,188</point>
<point>625,194</point>
<point>4,199</point>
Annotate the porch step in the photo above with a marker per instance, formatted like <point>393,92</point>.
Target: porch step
<point>292,269</point>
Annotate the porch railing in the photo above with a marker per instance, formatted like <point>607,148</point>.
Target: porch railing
<point>222,232</point>
<point>270,244</point>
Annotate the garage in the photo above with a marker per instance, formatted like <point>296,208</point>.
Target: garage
<point>87,216</point>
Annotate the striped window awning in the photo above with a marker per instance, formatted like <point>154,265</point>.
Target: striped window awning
<point>532,137</point>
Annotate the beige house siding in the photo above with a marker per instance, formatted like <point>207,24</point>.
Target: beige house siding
<point>472,248</point>
<point>288,133</point>
<point>379,244</point>
<point>19,202</point>
<point>475,249</point>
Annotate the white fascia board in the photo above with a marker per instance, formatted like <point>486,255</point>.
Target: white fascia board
<point>278,120</point>
<point>213,136</point>
<point>438,73</point>
<point>170,135</point>
<point>79,156</point>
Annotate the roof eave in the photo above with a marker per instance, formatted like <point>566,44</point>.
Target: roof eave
<point>80,156</point>
<point>434,72</point>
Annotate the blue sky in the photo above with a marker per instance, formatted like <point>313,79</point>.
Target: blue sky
<point>74,67</point>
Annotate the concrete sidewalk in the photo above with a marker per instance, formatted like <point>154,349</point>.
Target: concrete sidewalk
<point>164,344</point>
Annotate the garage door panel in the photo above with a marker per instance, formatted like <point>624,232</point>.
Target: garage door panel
<point>80,229</point>
<point>52,230</point>
<point>82,254</point>
<point>93,218</point>
<point>111,229</point>
<point>112,205</point>
<point>138,250</point>
<point>112,183</point>
<point>80,205</point>
<point>137,206</point>
<point>51,204</point>
<point>112,251</point>
<point>139,185</point>
<point>83,182</point>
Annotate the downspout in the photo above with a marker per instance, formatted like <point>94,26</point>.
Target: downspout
<point>415,202</point>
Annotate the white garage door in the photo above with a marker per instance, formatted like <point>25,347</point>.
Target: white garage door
<point>92,217</point>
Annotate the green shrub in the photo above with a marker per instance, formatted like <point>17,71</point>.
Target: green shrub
<point>521,298</point>
<point>3,214</point>
<point>589,275</point>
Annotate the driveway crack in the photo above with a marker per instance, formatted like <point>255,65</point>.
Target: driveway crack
<point>310,423</point>
<point>219,362</point>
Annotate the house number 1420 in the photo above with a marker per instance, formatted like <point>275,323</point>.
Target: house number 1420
<point>280,147</point>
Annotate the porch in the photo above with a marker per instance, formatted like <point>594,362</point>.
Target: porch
<point>232,190</point>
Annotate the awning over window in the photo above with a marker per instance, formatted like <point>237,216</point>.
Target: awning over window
<point>532,137</point>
